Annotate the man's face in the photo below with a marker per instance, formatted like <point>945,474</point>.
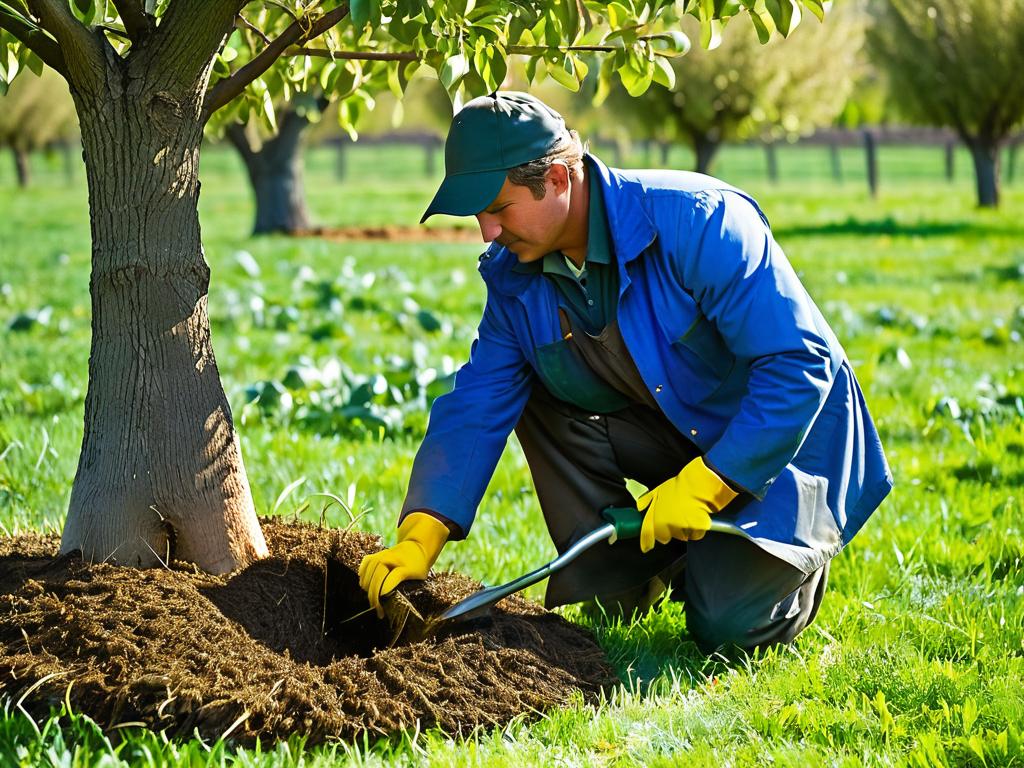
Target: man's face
<point>528,227</point>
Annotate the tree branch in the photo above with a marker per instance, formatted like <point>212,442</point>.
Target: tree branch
<point>354,55</point>
<point>189,35</point>
<point>34,38</point>
<point>136,23</point>
<point>519,50</point>
<point>243,23</point>
<point>84,57</point>
<point>297,33</point>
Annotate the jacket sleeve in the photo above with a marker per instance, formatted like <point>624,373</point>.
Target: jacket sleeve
<point>470,425</point>
<point>744,284</point>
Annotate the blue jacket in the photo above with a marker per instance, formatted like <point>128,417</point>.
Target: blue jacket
<point>726,338</point>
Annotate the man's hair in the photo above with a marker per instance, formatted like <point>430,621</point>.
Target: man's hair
<point>568,150</point>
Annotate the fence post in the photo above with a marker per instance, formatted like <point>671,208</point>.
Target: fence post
<point>1011,161</point>
<point>665,147</point>
<point>772,162</point>
<point>871,152</point>
<point>341,161</point>
<point>950,160</point>
<point>837,166</point>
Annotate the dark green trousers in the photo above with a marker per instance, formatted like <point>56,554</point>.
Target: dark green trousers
<point>735,594</point>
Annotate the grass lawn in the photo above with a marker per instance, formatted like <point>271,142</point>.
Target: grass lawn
<point>917,655</point>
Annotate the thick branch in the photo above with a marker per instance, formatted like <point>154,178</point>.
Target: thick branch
<point>83,53</point>
<point>296,34</point>
<point>136,23</point>
<point>34,38</point>
<point>190,34</point>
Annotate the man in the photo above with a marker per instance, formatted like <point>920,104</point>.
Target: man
<point>644,325</point>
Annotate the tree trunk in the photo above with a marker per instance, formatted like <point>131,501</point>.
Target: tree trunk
<point>705,149</point>
<point>985,154</point>
<point>160,474</point>
<point>21,166</point>
<point>275,171</point>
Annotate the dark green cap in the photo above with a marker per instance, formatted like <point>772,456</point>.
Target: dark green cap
<point>488,136</point>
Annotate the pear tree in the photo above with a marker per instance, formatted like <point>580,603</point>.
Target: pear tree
<point>160,472</point>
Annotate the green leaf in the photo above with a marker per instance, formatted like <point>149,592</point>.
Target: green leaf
<point>268,116</point>
<point>619,15</point>
<point>636,76</point>
<point>359,11</point>
<point>604,78</point>
<point>453,70</point>
<point>35,64</point>
<point>785,14</point>
<point>673,42</point>
<point>663,72</point>
<point>564,74</point>
<point>711,34</point>
<point>764,34</point>
<point>818,7</point>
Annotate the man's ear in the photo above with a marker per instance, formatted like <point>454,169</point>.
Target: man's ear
<point>558,177</point>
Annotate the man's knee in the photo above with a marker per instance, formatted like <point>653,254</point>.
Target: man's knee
<point>718,631</point>
<point>726,625</point>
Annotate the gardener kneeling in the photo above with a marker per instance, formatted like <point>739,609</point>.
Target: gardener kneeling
<point>644,325</point>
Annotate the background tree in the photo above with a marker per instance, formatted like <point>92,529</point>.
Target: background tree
<point>742,89</point>
<point>36,111</point>
<point>274,158</point>
<point>160,473</point>
<point>957,65</point>
<point>274,163</point>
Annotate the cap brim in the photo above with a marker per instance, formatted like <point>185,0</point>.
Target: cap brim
<point>466,194</point>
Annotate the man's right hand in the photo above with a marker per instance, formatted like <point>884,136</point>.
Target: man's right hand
<point>420,540</point>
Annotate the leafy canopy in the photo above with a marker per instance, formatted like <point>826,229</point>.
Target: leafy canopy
<point>352,51</point>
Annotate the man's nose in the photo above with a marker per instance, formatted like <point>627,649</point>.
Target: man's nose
<point>490,229</point>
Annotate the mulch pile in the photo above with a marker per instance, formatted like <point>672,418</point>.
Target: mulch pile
<point>395,233</point>
<point>247,655</point>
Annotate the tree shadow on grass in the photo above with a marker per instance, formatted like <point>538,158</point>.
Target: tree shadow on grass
<point>889,226</point>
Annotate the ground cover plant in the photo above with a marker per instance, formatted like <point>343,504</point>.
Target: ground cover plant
<point>330,351</point>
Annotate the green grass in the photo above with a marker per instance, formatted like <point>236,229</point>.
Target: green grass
<point>917,654</point>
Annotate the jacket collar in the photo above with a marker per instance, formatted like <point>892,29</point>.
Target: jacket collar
<point>631,228</point>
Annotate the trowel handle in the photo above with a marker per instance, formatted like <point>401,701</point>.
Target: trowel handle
<point>627,521</point>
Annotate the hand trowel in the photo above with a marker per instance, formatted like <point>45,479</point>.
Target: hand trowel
<point>620,523</point>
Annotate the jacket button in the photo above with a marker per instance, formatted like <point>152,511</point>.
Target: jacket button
<point>658,388</point>
<point>693,432</point>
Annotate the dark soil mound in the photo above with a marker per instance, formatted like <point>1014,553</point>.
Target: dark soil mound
<point>247,654</point>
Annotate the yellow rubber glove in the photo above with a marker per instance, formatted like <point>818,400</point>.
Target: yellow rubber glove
<point>420,540</point>
<point>681,507</point>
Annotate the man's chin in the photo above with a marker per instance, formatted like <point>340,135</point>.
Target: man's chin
<point>523,253</point>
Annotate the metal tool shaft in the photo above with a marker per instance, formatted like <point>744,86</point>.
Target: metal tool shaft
<point>479,602</point>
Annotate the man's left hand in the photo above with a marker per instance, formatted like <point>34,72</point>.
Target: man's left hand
<point>681,507</point>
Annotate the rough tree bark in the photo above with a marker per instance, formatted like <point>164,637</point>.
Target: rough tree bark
<point>275,171</point>
<point>160,473</point>
<point>985,154</point>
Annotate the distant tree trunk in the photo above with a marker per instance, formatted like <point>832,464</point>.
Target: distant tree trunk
<point>275,171</point>
<point>985,153</point>
<point>705,150</point>
<point>21,166</point>
<point>871,159</point>
<point>771,159</point>
<point>160,473</point>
